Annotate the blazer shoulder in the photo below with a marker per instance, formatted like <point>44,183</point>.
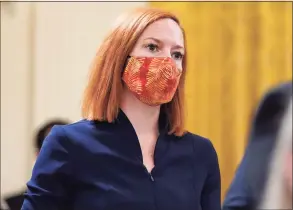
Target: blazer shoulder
<point>199,141</point>
<point>79,125</point>
<point>202,146</point>
<point>71,133</point>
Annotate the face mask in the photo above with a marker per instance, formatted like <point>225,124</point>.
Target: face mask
<point>152,80</point>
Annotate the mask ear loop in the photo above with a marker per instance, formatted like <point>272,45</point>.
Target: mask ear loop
<point>126,62</point>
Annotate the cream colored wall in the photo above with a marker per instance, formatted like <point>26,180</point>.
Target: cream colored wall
<point>15,94</point>
<point>43,71</point>
<point>67,38</point>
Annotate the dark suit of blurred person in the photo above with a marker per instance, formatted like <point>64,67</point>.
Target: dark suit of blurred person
<point>247,187</point>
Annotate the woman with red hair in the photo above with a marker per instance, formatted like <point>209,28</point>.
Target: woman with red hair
<point>131,151</point>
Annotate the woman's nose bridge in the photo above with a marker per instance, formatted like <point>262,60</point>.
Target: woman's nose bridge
<point>166,52</point>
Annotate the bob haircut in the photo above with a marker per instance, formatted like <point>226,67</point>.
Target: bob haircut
<point>103,92</point>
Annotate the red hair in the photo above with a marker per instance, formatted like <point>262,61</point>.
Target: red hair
<point>104,89</point>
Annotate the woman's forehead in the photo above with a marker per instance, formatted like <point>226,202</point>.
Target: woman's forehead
<point>166,30</point>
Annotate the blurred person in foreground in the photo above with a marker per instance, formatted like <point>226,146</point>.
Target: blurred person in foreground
<point>131,152</point>
<point>15,201</point>
<point>278,190</point>
<point>247,188</point>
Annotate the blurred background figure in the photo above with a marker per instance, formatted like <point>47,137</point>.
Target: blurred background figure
<point>236,52</point>
<point>247,187</point>
<point>14,201</point>
<point>278,189</point>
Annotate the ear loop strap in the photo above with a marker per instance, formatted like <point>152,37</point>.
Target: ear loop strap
<point>125,64</point>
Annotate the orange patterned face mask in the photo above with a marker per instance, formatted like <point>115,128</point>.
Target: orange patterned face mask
<point>152,80</point>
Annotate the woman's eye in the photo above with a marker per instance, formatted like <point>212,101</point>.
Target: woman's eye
<point>177,56</point>
<point>153,47</point>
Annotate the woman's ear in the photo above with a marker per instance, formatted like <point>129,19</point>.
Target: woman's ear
<point>125,64</point>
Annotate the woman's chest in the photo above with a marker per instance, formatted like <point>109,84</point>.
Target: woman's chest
<point>111,181</point>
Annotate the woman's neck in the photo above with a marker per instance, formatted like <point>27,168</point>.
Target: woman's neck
<point>143,118</point>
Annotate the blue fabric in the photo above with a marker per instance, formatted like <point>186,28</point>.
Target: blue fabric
<point>92,165</point>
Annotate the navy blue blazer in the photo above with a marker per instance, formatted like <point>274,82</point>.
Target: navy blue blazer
<point>93,165</point>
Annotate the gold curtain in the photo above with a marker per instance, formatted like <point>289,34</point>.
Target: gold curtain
<point>236,51</point>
